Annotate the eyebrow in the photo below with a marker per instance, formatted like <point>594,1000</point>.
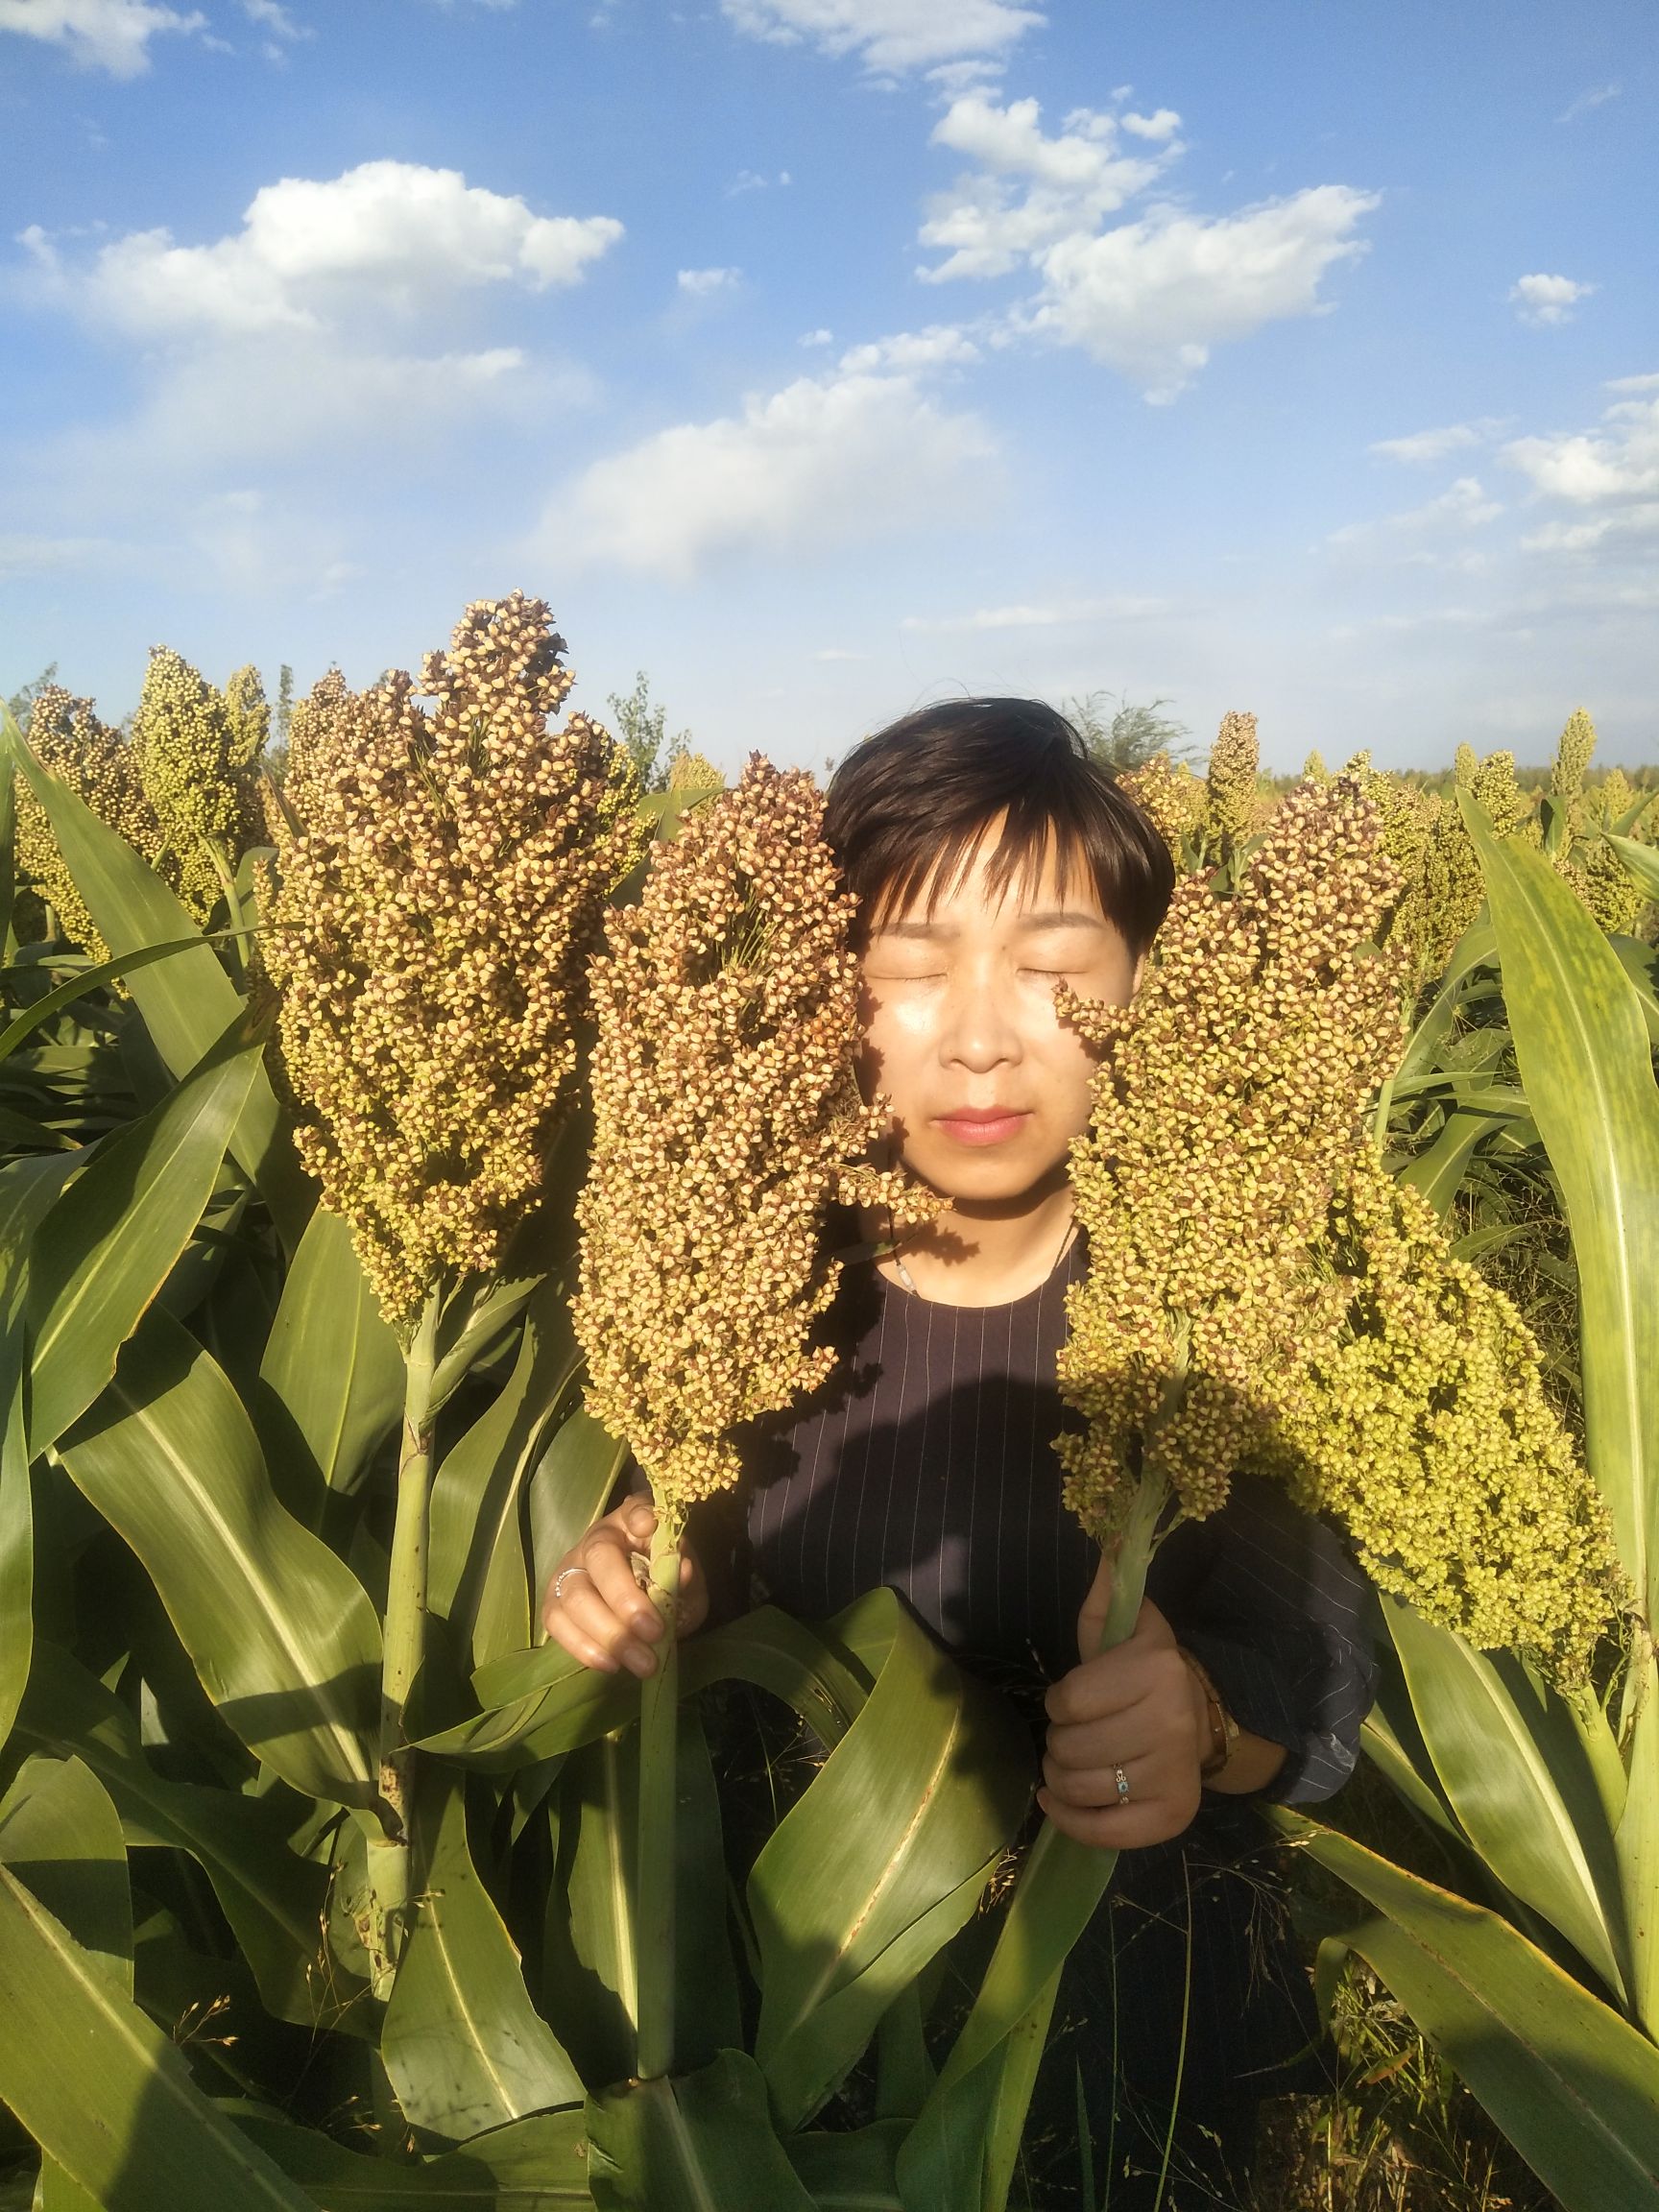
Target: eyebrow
<point>1057,919</point>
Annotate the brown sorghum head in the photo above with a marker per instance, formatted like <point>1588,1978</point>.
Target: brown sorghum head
<point>437,902</point>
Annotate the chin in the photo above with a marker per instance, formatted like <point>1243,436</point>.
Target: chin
<point>984,1179</point>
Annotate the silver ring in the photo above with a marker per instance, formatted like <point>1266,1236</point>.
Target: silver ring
<point>563,1576</point>
<point>1123,1781</point>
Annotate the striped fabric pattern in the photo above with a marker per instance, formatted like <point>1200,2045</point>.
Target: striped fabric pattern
<point>926,1463</point>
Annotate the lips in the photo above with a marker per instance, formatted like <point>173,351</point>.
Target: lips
<point>982,1126</point>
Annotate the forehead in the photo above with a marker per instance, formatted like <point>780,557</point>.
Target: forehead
<point>989,877</point>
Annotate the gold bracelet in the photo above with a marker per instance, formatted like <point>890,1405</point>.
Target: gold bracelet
<point>1223,1728</point>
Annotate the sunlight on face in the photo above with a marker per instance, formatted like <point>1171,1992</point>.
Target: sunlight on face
<point>988,1086</point>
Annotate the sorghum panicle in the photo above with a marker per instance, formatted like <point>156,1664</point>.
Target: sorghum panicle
<point>727,1116</point>
<point>1226,1104</point>
<point>1421,1421</point>
<point>1261,1294</point>
<point>101,768</point>
<point>1235,761</point>
<point>437,905</point>
<point>693,772</point>
<point>190,748</point>
<point>1175,799</point>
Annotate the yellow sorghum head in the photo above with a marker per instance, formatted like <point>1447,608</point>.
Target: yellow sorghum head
<point>436,911</point>
<point>1174,797</point>
<point>1573,751</point>
<point>1606,887</point>
<point>1226,1106</point>
<point>99,766</point>
<point>726,1116</point>
<point>1453,889</point>
<point>1613,800</point>
<point>692,772</point>
<point>248,714</point>
<point>319,732</point>
<point>1421,1421</point>
<point>1582,859</point>
<point>1234,759</point>
<point>186,744</point>
<point>1315,770</point>
<point>1409,817</point>
<point>1512,811</point>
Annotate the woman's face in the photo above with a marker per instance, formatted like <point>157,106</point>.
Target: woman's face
<point>988,1086</point>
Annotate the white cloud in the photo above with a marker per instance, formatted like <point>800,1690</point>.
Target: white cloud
<point>1164,125</point>
<point>1595,467</point>
<point>1640,522</point>
<point>1152,298</point>
<point>1042,616</point>
<point>888,35</point>
<point>818,337</point>
<point>750,180</point>
<point>1465,505</point>
<point>700,284</point>
<point>1149,297</point>
<point>302,334</point>
<point>113,35</point>
<point>1436,445</point>
<point>844,457</point>
<point>1548,300</point>
<point>385,236</point>
<point>1597,97</point>
<point>1030,191</point>
<point>912,351</point>
<point>273,16</point>
<point>286,405</point>
<point>33,556</point>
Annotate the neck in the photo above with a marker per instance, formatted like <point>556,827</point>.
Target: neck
<point>981,1252</point>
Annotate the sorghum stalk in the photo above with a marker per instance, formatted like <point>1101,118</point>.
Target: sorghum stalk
<point>726,1115</point>
<point>1062,1881</point>
<point>404,1639</point>
<point>659,1806</point>
<point>442,878</point>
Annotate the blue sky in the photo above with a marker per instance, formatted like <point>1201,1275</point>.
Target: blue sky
<point>826,356</point>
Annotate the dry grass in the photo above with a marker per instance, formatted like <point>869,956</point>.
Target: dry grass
<point>1400,2134</point>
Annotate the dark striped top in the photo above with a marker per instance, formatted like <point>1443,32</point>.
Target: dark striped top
<point>925,1462</point>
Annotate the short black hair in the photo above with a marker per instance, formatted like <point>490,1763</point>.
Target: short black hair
<point>908,804</point>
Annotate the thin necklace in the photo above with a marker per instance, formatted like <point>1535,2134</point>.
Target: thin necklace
<point>904,1273</point>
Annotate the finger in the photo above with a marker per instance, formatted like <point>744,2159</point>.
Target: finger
<point>1096,1749</point>
<point>563,1631</point>
<point>1119,1827</point>
<point>590,1615</point>
<point>1085,1787</point>
<point>691,1606</point>
<point>1093,1617</point>
<point>1114,1682</point>
<point>637,1518</point>
<point>611,1569</point>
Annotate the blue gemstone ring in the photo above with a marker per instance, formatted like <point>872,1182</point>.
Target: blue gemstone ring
<point>1123,1781</point>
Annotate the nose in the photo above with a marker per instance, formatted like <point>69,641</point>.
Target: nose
<point>978,1033</point>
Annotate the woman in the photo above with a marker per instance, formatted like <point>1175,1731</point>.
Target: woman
<point>993,858</point>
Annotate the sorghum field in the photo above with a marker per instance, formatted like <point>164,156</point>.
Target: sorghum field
<point>413,1109</point>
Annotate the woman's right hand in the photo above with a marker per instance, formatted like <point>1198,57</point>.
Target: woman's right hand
<point>601,1615</point>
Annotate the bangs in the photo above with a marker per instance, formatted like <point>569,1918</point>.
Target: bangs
<point>1029,840</point>
<point>908,808</point>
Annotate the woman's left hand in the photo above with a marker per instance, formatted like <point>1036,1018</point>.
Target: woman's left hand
<point>1137,1706</point>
